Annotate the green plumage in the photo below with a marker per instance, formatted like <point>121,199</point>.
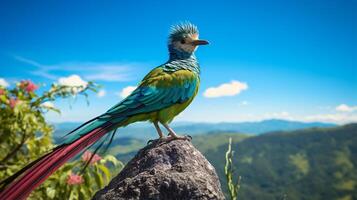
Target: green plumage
<point>160,97</point>
<point>167,95</point>
<point>163,93</point>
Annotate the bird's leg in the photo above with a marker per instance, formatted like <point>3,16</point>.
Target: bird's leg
<point>173,135</point>
<point>161,135</point>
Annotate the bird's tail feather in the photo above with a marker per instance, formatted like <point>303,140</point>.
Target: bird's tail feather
<point>38,171</point>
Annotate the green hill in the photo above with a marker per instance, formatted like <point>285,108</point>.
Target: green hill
<point>212,141</point>
<point>317,163</point>
<point>125,148</point>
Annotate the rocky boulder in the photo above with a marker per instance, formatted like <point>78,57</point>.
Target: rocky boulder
<point>165,170</point>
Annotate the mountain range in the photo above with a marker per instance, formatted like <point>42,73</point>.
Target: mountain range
<point>194,128</point>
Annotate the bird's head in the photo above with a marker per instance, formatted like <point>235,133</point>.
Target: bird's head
<point>184,38</point>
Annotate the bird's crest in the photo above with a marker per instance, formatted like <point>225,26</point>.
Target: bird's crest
<point>179,30</point>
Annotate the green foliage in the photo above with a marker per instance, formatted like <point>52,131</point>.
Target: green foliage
<point>211,141</point>
<point>25,135</point>
<point>69,183</point>
<point>132,146</point>
<point>301,163</point>
<point>233,188</point>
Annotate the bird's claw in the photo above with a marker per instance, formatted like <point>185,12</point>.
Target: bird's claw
<point>178,137</point>
<point>149,142</point>
<point>170,138</point>
<point>189,137</point>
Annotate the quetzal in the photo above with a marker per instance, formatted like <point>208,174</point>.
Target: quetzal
<point>163,93</point>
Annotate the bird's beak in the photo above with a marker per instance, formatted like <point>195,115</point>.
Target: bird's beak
<point>200,42</point>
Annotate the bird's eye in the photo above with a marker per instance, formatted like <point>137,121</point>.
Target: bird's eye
<point>183,41</point>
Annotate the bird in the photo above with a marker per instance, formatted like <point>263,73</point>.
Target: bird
<point>160,96</point>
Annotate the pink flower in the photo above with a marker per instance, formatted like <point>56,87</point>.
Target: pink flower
<point>28,85</point>
<point>74,179</point>
<point>2,91</point>
<point>87,155</point>
<point>13,102</point>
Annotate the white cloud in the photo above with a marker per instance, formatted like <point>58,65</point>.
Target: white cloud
<point>48,104</point>
<point>126,91</point>
<point>108,71</point>
<point>101,93</point>
<point>244,103</point>
<point>227,89</point>
<point>73,81</point>
<point>346,108</point>
<point>3,82</point>
<point>42,70</point>
<point>278,115</point>
<point>339,118</point>
<point>324,108</point>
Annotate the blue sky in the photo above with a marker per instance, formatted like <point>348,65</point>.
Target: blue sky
<point>279,59</point>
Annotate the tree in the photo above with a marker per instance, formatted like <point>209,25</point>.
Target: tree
<point>25,135</point>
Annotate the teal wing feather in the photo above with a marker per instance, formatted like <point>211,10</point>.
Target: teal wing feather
<point>154,97</point>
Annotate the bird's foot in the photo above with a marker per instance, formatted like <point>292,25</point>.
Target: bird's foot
<point>157,140</point>
<point>150,142</point>
<point>170,137</point>
<point>178,137</point>
<point>189,136</point>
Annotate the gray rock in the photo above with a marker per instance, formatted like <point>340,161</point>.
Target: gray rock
<point>174,170</point>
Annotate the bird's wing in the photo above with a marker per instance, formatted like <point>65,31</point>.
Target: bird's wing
<point>156,91</point>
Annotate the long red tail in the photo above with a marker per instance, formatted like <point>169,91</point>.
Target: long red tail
<point>48,164</point>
